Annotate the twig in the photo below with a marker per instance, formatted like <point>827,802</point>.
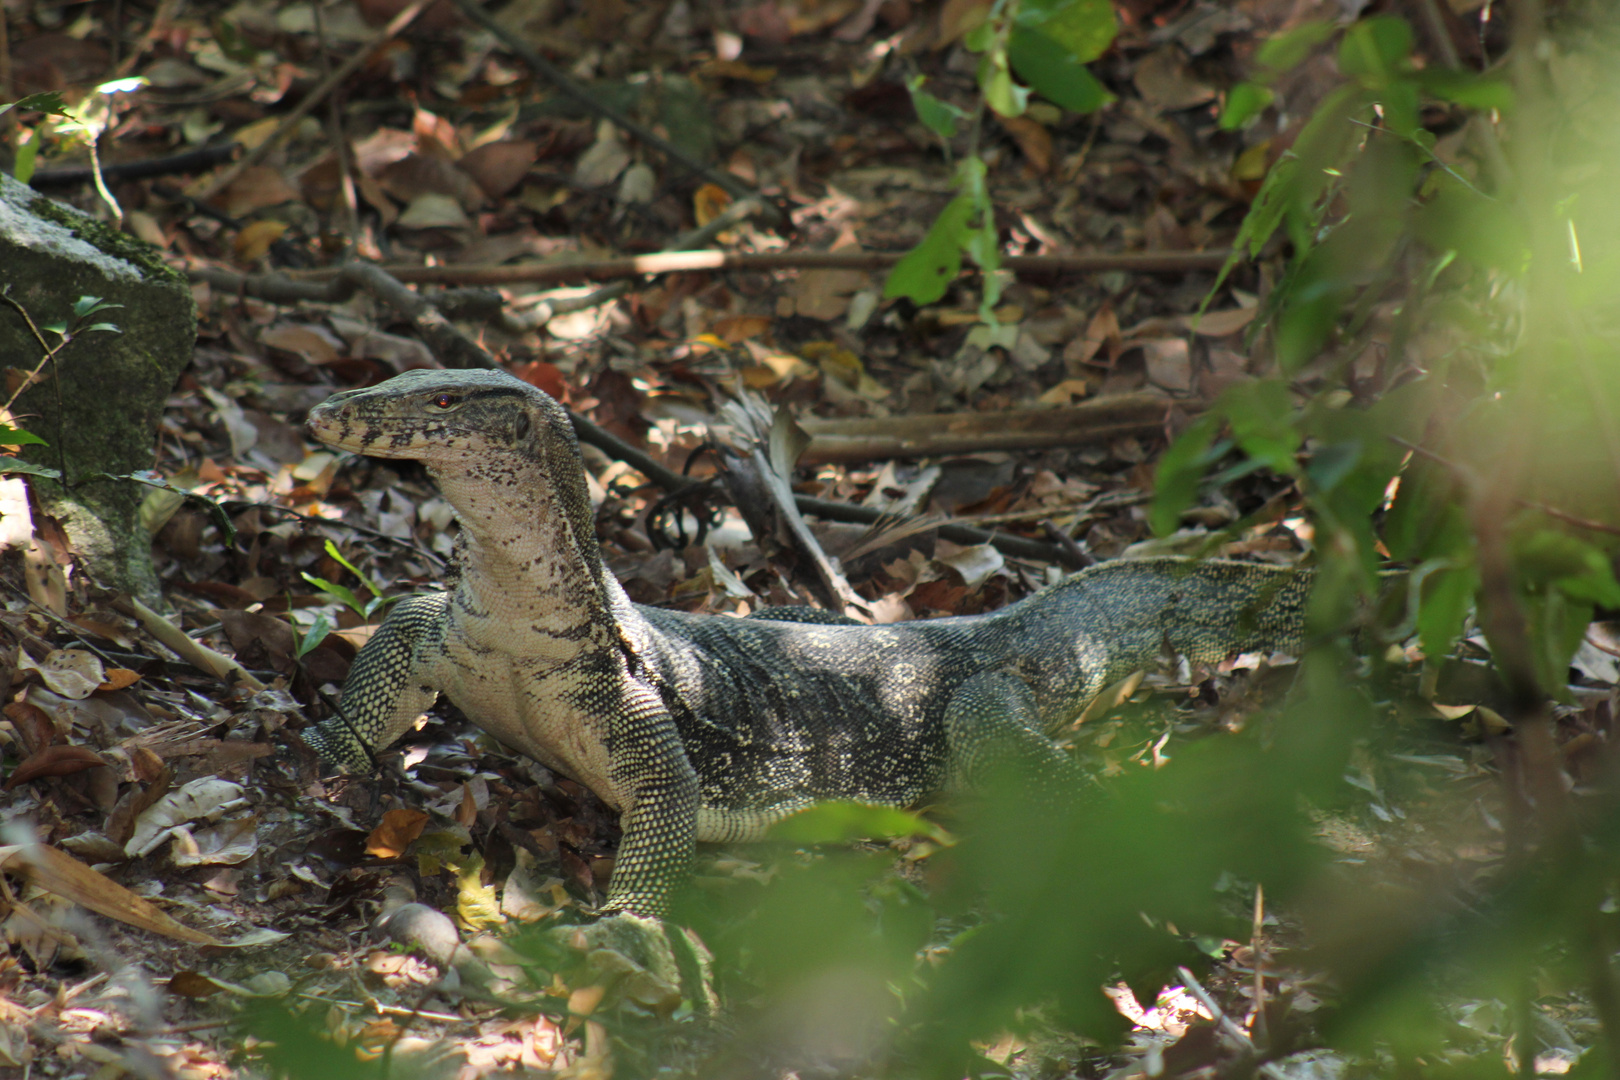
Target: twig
<point>388,289</point>
<point>348,213</point>
<point>1078,556</point>
<point>732,215</point>
<point>1018,547</point>
<point>1098,420</point>
<point>1568,518</point>
<point>1256,941</point>
<point>289,123</point>
<point>188,162</point>
<point>676,262</point>
<point>33,377</point>
<point>340,283</point>
<point>595,104</point>
<point>189,649</point>
<point>62,624</point>
<point>1468,479</point>
<point>1227,1024</point>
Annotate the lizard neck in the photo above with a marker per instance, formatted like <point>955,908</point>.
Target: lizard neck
<point>529,552</point>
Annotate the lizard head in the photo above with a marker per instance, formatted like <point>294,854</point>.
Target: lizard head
<point>499,449</point>
<point>445,418</point>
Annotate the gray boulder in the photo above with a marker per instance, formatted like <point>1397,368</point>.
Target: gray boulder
<point>100,402</point>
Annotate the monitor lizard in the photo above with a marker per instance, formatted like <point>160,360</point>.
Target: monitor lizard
<point>711,727</point>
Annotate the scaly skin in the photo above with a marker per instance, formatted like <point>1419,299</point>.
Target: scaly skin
<point>709,727</point>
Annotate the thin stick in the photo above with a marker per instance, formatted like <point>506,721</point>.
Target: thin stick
<point>188,162</point>
<point>675,262</point>
<point>289,123</point>
<point>1227,1024</point>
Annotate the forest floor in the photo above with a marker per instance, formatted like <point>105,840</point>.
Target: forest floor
<point>228,873</point>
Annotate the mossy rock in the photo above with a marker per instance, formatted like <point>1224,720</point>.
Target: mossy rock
<point>99,405</point>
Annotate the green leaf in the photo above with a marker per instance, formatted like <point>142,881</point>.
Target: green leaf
<point>1005,97</point>
<point>23,168</point>
<point>1285,51</point>
<point>1181,468</point>
<point>340,593</point>
<point>317,634</point>
<point>332,550</point>
<point>1244,102</point>
<point>231,42</point>
<point>13,466</point>
<point>1261,416</point>
<point>1447,596</point>
<point>16,436</point>
<point>1376,50</point>
<point>1269,207</point>
<point>1489,234</point>
<point>840,822</point>
<point>940,117</point>
<point>1054,72</point>
<point>1574,567</point>
<point>1331,464</point>
<point>111,328</point>
<point>929,268</point>
<point>1083,29</point>
<point>86,306</point>
<point>1467,88</point>
<point>51,101</point>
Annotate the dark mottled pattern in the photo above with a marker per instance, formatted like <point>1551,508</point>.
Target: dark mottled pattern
<point>707,727</point>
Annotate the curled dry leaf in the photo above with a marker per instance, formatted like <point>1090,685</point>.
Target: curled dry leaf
<point>226,844</point>
<point>975,565</point>
<point>72,673</point>
<point>205,799</point>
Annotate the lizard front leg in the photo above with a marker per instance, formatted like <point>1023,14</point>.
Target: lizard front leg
<point>387,688</point>
<point>659,792</point>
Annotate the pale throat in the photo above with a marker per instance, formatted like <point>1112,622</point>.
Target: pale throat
<point>519,551</point>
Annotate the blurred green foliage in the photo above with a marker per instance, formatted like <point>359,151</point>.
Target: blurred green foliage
<point>1439,380</point>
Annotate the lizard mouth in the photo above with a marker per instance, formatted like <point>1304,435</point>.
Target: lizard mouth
<point>343,427</point>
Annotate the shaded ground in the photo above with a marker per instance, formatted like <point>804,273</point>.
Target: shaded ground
<point>460,159</point>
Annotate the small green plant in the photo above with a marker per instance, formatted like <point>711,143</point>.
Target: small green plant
<point>1047,44</point>
<point>343,595</point>
<point>346,596</point>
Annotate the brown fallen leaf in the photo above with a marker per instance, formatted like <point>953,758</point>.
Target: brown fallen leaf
<point>396,832</point>
<point>54,761</point>
<point>498,167</point>
<point>1033,139</point>
<point>67,877</point>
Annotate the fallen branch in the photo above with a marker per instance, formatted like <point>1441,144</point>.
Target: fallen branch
<point>678,262</point>
<point>189,162</point>
<point>188,648</point>
<point>931,435</point>
<point>338,284</point>
<point>389,290</point>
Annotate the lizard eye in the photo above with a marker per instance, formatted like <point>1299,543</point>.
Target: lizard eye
<point>443,401</point>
